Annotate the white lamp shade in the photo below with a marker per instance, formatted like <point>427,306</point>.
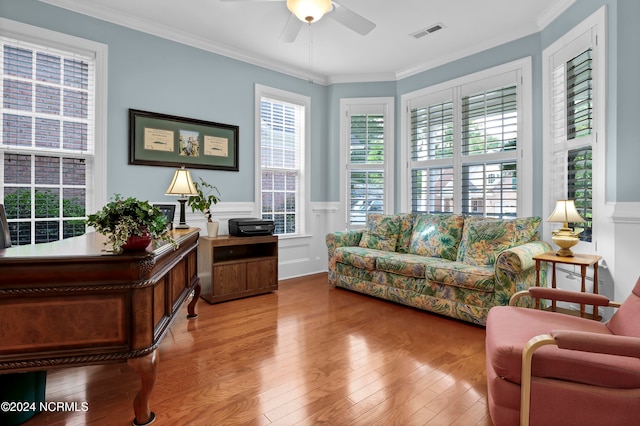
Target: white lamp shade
<point>565,212</point>
<point>309,10</point>
<point>181,184</point>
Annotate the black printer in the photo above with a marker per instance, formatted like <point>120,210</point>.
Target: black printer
<point>249,227</point>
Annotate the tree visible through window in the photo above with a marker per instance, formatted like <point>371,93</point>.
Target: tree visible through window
<point>46,140</point>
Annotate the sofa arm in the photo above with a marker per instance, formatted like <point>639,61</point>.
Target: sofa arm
<point>340,239</point>
<point>515,270</point>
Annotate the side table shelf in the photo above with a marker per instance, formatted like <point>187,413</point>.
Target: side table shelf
<point>233,267</point>
<point>582,260</point>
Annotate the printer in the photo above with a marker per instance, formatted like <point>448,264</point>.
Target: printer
<point>249,227</point>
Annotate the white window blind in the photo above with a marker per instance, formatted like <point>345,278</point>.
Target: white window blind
<point>281,140</point>
<point>572,125</point>
<point>366,166</point>
<point>366,163</point>
<point>47,140</point>
<point>464,148</point>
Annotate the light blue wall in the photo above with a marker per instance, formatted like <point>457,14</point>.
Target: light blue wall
<point>151,73</point>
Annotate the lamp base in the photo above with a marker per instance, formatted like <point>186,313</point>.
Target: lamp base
<point>565,238</point>
<point>182,224</point>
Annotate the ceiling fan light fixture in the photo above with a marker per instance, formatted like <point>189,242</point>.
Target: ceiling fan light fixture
<point>309,10</point>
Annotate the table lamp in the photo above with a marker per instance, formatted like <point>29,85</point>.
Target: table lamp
<point>182,185</point>
<point>565,237</point>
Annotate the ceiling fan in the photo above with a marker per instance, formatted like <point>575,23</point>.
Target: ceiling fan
<point>312,10</point>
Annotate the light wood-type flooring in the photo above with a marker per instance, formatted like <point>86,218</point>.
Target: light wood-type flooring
<point>308,354</point>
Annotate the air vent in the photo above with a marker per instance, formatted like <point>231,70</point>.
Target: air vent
<point>426,31</point>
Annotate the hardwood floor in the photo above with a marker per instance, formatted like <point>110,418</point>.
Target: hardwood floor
<point>308,354</point>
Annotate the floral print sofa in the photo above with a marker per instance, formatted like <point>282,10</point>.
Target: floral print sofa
<point>459,266</point>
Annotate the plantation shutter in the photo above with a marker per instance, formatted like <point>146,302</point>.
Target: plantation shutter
<point>572,121</point>
<point>489,129</point>
<point>366,162</point>
<point>431,149</point>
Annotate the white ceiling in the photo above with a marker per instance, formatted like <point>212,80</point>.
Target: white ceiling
<point>327,51</point>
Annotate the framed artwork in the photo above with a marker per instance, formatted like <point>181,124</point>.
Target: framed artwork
<point>168,211</point>
<point>170,141</point>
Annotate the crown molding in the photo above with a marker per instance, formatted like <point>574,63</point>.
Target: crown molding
<point>555,10</point>
<point>172,34</point>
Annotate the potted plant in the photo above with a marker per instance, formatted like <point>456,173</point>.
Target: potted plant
<point>130,224</point>
<point>203,201</point>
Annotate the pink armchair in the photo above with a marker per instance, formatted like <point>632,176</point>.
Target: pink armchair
<point>549,368</point>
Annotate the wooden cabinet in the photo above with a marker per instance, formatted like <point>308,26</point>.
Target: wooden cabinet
<point>232,267</point>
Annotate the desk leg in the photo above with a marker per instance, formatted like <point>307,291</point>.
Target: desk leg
<point>596,314</point>
<point>191,308</point>
<point>147,367</point>
<point>553,285</point>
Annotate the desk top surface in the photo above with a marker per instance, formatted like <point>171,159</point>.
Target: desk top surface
<point>91,244</point>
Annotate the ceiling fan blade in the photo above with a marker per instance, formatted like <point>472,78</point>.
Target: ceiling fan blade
<point>291,30</point>
<point>351,20</point>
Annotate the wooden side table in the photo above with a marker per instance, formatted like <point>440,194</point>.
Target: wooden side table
<point>582,260</point>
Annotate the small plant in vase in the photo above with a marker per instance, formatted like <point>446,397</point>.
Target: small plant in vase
<point>130,224</point>
<point>203,202</point>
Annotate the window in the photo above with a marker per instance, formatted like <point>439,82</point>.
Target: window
<point>49,133</point>
<point>283,139</point>
<point>465,142</point>
<point>573,89</point>
<point>367,131</point>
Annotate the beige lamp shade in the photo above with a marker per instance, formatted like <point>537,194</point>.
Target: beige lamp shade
<point>565,237</point>
<point>181,184</point>
<point>565,212</point>
<point>309,10</point>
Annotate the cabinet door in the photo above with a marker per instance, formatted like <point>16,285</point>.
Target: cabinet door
<point>229,279</point>
<point>262,274</point>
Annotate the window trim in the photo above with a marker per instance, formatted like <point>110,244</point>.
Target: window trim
<point>573,42</point>
<point>305,185</point>
<point>97,178</point>
<point>387,105</point>
<point>524,156</point>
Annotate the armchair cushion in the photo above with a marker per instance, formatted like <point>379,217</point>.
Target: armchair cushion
<point>505,343</point>
<point>627,318</point>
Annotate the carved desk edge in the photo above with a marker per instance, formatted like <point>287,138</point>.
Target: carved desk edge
<point>144,261</point>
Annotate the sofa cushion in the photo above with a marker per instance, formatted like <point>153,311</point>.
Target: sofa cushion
<point>436,235</point>
<point>504,346</point>
<point>404,236</point>
<point>359,257</point>
<point>526,229</point>
<point>460,274</point>
<point>381,232</point>
<point>484,239</point>
<point>408,265</point>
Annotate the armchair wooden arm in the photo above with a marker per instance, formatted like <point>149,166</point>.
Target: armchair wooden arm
<point>564,296</point>
<point>597,343</point>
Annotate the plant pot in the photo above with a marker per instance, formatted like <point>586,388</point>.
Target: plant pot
<point>212,228</point>
<point>137,243</point>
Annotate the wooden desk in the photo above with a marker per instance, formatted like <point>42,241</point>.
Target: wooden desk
<point>582,260</point>
<point>71,303</point>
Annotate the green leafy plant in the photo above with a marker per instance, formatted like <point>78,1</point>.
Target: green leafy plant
<point>124,217</point>
<point>205,198</point>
